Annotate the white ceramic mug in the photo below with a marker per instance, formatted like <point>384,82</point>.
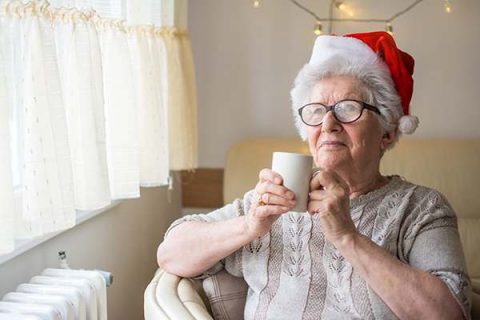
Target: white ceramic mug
<point>296,170</point>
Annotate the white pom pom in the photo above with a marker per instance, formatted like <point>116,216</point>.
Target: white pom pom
<point>408,124</point>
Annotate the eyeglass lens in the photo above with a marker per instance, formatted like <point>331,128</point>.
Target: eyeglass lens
<point>344,111</point>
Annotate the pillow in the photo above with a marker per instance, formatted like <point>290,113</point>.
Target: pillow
<point>226,294</point>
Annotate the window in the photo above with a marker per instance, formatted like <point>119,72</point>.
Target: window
<point>91,108</point>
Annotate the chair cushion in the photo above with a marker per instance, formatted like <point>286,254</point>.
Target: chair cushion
<point>476,298</point>
<point>226,294</point>
<point>470,236</point>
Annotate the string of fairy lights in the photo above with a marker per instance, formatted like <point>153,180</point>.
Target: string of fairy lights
<point>347,9</point>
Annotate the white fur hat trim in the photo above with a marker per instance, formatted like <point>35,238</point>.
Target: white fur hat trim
<point>356,49</point>
<point>408,124</point>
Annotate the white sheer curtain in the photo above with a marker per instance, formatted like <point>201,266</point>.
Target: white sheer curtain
<point>6,187</point>
<point>88,107</point>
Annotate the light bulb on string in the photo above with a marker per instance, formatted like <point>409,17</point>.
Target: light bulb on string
<point>389,28</point>
<point>345,7</point>
<point>256,3</point>
<point>342,6</point>
<point>318,28</point>
<point>448,6</point>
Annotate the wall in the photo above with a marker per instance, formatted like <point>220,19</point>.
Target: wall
<point>246,60</point>
<point>122,240</point>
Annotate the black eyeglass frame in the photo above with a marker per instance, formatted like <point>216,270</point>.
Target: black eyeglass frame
<point>332,108</point>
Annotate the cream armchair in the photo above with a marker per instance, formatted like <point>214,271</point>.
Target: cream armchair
<point>450,166</point>
<point>169,297</point>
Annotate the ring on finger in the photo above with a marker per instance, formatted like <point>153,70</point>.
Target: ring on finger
<point>261,202</point>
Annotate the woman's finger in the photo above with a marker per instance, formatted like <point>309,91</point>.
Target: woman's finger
<point>322,179</point>
<point>268,187</point>
<point>323,208</point>
<point>267,211</point>
<point>315,181</point>
<point>272,199</point>
<point>270,175</point>
<point>318,195</point>
<point>315,207</point>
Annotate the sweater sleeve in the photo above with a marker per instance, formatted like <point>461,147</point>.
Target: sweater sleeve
<point>432,243</point>
<point>232,263</point>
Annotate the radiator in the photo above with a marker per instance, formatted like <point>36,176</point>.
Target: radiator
<point>59,294</point>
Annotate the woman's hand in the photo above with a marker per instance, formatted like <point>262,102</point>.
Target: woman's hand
<point>329,197</point>
<point>271,199</point>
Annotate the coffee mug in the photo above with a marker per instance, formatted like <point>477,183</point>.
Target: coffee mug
<point>296,170</point>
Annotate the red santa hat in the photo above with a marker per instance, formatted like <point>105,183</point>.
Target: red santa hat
<point>370,53</point>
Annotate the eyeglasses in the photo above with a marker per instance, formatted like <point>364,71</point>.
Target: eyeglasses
<point>345,111</point>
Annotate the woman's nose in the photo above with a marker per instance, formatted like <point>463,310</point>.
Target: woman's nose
<point>330,123</point>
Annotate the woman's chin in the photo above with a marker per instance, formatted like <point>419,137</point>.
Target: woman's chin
<point>329,160</point>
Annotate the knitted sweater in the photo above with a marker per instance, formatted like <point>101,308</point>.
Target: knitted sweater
<point>294,273</point>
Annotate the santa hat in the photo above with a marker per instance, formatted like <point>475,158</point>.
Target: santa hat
<point>372,55</point>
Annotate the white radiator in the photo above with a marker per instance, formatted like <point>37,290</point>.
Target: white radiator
<point>59,294</point>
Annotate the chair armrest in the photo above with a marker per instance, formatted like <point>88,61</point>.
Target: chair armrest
<point>169,297</point>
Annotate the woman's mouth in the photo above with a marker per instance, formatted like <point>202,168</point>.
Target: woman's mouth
<point>332,144</point>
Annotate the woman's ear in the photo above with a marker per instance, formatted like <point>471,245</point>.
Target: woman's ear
<point>388,138</point>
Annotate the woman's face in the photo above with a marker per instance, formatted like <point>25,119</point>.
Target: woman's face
<point>354,146</point>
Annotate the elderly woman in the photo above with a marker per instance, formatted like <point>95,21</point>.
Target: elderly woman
<point>370,246</point>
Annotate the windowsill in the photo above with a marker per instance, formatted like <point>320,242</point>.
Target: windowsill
<point>23,246</point>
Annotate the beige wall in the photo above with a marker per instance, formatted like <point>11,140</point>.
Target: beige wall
<point>246,60</point>
<point>122,241</point>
